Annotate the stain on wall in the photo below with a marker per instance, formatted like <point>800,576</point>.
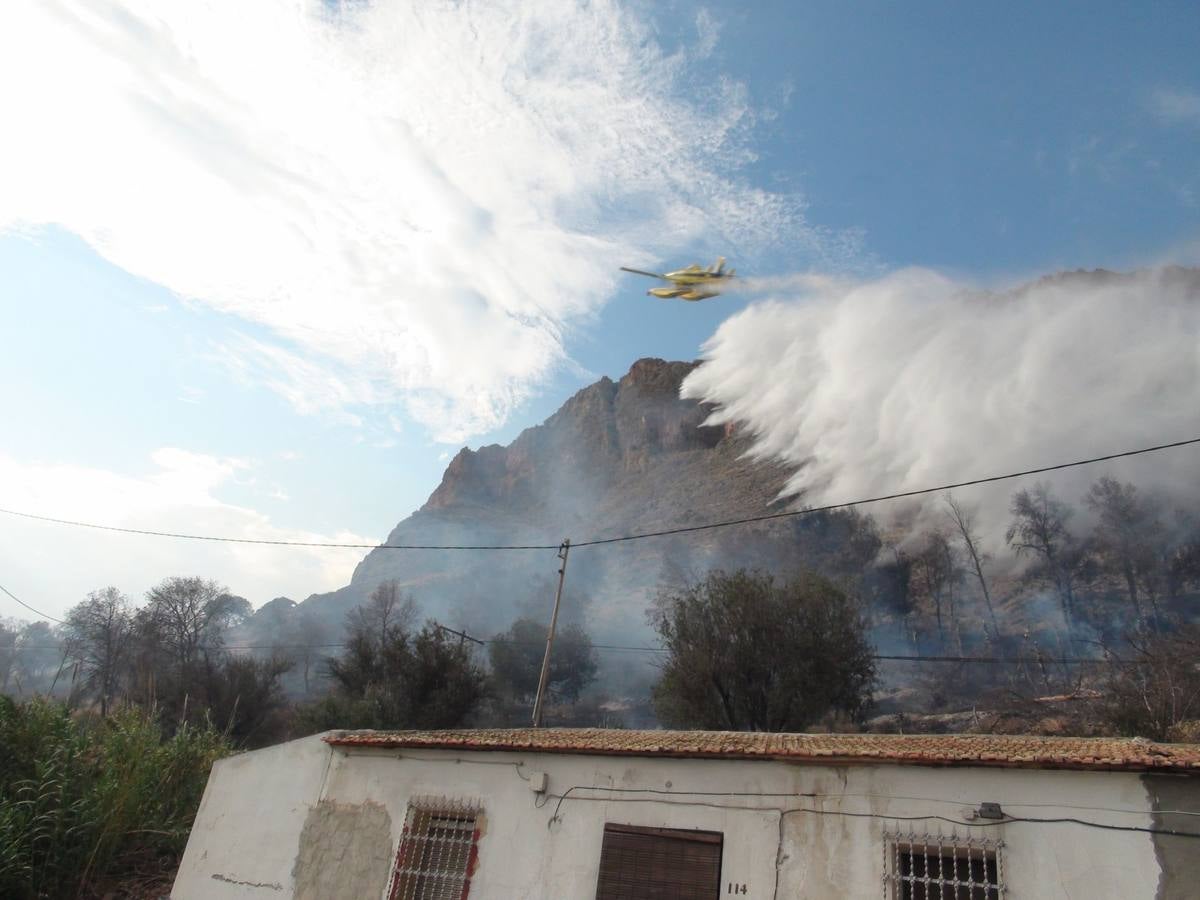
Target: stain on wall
<point>1178,857</point>
<point>345,852</point>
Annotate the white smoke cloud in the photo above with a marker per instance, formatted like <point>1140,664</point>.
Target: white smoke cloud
<point>414,201</point>
<point>176,492</point>
<point>915,380</point>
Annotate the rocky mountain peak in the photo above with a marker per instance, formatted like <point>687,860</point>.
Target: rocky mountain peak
<point>619,456</point>
<point>604,429</point>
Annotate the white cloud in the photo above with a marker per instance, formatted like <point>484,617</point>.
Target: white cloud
<point>915,380</point>
<point>414,202</point>
<point>57,564</point>
<point>1176,107</point>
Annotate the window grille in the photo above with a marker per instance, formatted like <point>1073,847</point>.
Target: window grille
<point>437,851</point>
<point>940,867</point>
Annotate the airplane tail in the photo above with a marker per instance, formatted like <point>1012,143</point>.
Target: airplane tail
<point>718,267</point>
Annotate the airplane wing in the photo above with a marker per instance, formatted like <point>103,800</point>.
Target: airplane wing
<point>640,272</point>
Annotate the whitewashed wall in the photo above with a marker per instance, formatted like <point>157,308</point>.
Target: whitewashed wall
<point>248,826</point>
<point>248,832</point>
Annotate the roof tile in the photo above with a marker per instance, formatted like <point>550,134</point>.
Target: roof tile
<point>1010,751</point>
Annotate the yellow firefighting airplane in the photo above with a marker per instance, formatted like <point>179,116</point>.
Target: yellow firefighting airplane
<point>692,283</point>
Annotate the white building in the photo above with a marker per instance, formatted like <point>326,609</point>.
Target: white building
<point>583,813</point>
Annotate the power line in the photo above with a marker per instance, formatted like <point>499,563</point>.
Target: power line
<point>626,648</point>
<point>629,537</point>
<point>668,797</point>
<point>1028,660</point>
<point>804,795</point>
<point>1012,660</point>
<point>613,540</point>
<point>896,496</point>
<point>1007,660</point>
<point>324,545</point>
<point>1070,660</point>
<point>30,608</point>
<point>785,811</point>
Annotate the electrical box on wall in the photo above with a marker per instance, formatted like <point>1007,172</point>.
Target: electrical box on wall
<point>537,782</point>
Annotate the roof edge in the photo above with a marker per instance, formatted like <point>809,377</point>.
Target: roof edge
<point>939,751</point>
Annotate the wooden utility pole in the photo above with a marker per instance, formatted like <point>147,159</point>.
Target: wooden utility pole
<point>541,691</point>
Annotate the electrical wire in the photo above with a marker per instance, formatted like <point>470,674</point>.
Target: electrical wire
<point>879,499</point>
<point>325,545</point>
<point>517,765</point>
<point>1010,803</point>
<point>1070,660</point>
<point>1009,660</point>
<point>629,537</point>
<point>1171,832</point>
<point>595,542</point>
<point>813,795</point>
<point>30,608</point>
<point>785,811</point>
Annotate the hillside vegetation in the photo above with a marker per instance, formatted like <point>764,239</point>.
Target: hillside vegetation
<point>94,807</point>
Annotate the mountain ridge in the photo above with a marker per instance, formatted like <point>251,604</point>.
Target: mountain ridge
<point>619,456</point>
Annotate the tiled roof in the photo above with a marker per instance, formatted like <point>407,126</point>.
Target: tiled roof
<point>1009,751</point>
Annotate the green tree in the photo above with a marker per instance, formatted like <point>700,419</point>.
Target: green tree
<point>964,523</point>
<point>9,631</point>
<point>244,697</point>
<point>839,544</point>
<point>1154,687</point>
<point>306,633</point>
<point>99,633</point>
<point>516,657</point>
<point>442,683</point>
<point>1183,560</point>
<point>935,575</point>
<point>38,657</point>
<point>392,676</point>
<point>189,616</point>
<point>1125,538</point>
<point>1039,527</point>
<point>177,636</point>
<point>749,653</point>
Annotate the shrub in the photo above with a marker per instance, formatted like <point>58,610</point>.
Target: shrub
<point>86,803</point>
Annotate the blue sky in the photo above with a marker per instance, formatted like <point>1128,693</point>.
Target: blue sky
<point>990,138</point>
<point>311,274</point>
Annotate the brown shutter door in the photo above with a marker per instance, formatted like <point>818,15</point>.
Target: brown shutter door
<point>659,864</point>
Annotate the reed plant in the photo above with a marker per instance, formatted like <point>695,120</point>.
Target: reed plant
<point>88,804</point>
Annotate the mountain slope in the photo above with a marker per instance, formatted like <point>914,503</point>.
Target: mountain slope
<point>617,458</point>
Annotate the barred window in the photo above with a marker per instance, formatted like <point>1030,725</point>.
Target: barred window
<point>937,867</point>
<point>437,851</point>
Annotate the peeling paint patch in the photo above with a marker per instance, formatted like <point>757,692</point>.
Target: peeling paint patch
<point>217,876</point>
<point>345,852</point>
